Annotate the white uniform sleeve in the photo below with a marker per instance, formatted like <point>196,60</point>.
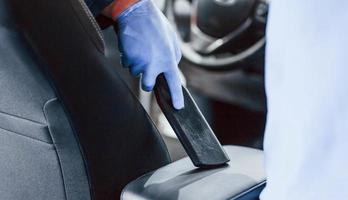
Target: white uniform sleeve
<point>306,142</point>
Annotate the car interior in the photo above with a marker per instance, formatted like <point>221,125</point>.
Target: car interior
<point>227,82</point>
<point>71,126</point>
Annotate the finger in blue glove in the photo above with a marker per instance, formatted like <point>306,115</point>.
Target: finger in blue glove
<point>149,46</point>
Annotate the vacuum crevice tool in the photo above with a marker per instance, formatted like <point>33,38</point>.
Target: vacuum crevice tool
<point>191,128</point>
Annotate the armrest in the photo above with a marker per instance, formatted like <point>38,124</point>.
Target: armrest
<point>242,179</point>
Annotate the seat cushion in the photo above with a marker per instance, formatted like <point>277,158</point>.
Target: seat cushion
<point>242,178</point>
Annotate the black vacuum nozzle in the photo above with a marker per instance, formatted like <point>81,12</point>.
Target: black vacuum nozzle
<point>193,131</point>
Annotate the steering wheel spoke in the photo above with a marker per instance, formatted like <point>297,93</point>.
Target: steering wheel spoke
<point>210,28</point>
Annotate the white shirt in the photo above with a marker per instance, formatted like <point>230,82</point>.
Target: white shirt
<point>306,141</point>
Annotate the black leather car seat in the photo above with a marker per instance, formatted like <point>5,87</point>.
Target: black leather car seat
<point>69,126</point>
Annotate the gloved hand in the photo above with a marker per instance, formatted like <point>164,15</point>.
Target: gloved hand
<point>149,46</point>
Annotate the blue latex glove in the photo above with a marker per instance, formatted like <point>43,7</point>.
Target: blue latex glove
<point>149,46</point>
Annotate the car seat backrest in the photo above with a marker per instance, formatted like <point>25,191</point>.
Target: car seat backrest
<point>69,126</point>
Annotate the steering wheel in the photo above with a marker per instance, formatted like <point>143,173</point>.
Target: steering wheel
<point>219,34</point>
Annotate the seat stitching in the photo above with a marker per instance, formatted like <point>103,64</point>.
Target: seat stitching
<point>59,161</point>
<point>26,119</point>
<point>28,137</point>
<point>91,19</point>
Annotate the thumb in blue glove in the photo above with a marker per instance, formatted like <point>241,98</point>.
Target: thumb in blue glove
<point>149,46</point>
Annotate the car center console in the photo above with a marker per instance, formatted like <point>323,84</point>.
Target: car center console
<point>243,178</point>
